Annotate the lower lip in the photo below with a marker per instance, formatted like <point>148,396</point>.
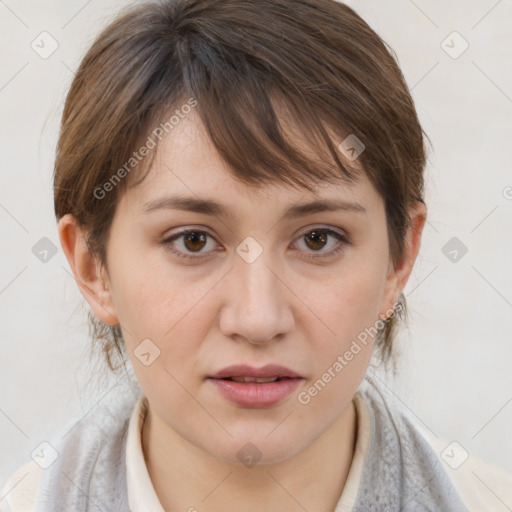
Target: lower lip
<point>256,395</point>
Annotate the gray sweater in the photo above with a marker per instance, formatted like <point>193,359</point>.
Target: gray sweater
<point>401,471</point>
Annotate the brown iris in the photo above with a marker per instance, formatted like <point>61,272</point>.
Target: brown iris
<point>193,239</point>
<point>316,237</point>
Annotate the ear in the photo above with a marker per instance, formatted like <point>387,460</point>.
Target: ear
<point>91,277</point>
<point>399,275</point>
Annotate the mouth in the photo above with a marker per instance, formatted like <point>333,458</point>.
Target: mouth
<point>246,373</point>
<point>251,387</point>
<point>255,380</point>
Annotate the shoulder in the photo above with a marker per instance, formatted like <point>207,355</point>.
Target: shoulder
<point>480,484</point>
<point>87,450</point>
<point>19,492</point>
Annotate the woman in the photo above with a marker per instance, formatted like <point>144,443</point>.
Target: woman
<point>239,194</point>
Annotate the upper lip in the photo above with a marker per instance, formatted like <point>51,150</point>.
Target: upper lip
<point>242,370</point>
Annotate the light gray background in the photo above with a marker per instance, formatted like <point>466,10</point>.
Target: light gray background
<point>455,373</point>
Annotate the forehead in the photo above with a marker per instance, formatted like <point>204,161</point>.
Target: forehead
<point>187,164</point>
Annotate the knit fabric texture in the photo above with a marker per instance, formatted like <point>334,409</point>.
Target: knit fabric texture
<point>401,471</point>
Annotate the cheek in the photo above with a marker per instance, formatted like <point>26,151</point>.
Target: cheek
<point>140,289</point>
<point>155,299</point>
<point>347,302</point>
<point>344,333</point>
<point>344,341</point>
<point>360,300</point>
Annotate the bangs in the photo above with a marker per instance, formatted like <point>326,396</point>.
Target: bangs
<point>265,133</point>
<point>266,138</point>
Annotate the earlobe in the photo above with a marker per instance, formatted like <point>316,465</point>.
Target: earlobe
<point>90,275</point>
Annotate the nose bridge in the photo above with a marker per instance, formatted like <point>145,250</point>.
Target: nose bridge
<point>253,267</point>
<point>256,310</point>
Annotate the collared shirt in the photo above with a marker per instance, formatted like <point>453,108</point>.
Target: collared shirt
<point>482,486</point>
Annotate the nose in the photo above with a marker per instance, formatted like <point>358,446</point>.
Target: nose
<point>257,300</point>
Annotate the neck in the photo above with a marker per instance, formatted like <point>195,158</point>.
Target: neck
<point>184,476</point>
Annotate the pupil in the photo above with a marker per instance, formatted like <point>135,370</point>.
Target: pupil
<point>316,236</point>
<point>194,237</point>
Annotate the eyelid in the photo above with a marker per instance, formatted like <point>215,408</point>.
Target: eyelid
<point>320,227</point>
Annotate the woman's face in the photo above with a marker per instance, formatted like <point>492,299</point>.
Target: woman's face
<point>251,286</point>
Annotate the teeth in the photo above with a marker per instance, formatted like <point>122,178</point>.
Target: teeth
<point>254,379</point>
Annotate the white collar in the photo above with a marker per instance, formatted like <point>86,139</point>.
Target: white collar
<point>143,498</point>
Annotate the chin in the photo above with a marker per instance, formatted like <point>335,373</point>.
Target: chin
<point>258,449</point>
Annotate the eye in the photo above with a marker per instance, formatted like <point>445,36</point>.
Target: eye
<point>192,240</point>
<point>318,238</point>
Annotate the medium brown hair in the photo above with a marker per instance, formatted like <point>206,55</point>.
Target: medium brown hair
<point>237,60</point>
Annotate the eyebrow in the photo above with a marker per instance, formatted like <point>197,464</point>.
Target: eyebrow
<point>211,207</point>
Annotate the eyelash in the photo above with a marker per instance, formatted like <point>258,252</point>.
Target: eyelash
<point>344,241</point>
